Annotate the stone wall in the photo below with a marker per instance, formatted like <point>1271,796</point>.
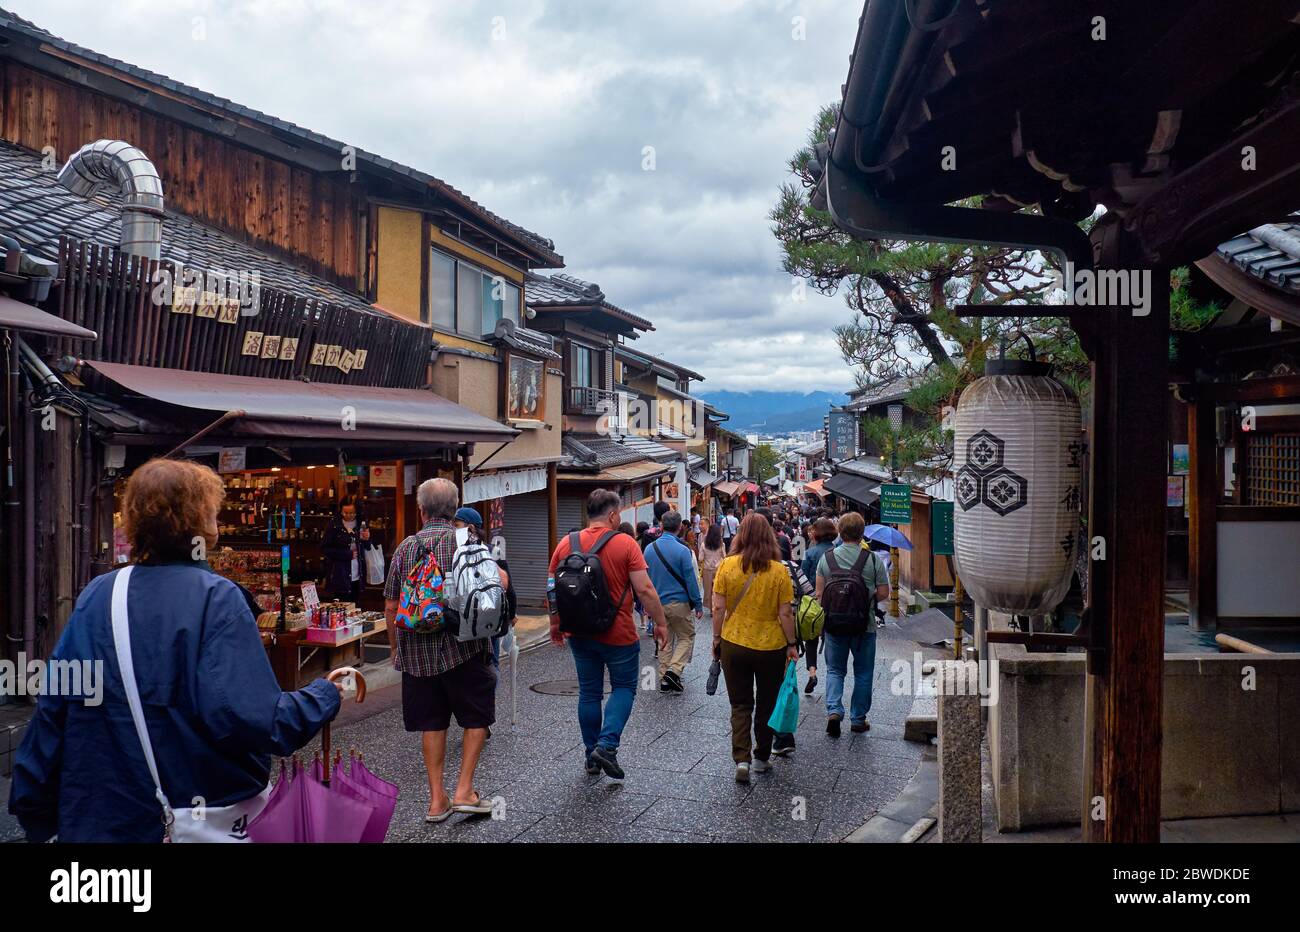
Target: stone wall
<point>1231,736</point>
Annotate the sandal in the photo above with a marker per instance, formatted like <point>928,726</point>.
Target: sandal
<point>441,816</point>
<point>478,807</point>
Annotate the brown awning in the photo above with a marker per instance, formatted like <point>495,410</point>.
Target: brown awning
<point>627,472</point>
<point>726,488</point>
<point>14,315</point>
<point>284,408</point>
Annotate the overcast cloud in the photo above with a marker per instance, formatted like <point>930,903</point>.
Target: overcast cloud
<point>541,111</point>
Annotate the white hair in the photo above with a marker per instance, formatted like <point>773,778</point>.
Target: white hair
<point>438,498</point>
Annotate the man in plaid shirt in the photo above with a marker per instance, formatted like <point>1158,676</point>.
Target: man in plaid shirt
<point>441,676</point>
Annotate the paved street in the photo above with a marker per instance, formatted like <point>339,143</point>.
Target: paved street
<point>676,751</point>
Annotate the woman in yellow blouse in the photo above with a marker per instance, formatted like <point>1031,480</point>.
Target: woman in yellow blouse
<point>754,638</point>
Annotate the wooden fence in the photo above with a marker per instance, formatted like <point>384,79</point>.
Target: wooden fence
<point>115,294</point>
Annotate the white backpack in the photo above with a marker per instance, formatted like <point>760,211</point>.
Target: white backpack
<point>475,594</point>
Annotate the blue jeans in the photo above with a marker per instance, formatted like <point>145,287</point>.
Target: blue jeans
<point>624,663</point>
<point>838,649</point>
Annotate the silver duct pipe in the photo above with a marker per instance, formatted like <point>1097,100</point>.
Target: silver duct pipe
<point>121,165</point>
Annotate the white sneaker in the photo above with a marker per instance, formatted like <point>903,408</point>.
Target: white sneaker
<point>761,766</point>
<point>742,772</point>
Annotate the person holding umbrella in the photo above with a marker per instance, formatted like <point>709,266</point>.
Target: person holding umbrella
<point>189,709</point>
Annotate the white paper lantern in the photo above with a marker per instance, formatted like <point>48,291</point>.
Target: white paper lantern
<point>1017,471</point>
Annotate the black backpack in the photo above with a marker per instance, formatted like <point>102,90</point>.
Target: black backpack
<point>581,594</point>
<point>848,601</point>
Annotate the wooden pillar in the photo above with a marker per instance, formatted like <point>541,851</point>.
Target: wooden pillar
<point>1203,498</point>
<point>552,507</point>
<point>1127,511</point>
<point>399,507</point>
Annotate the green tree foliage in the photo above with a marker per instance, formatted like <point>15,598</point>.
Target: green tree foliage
<point>763,461</point>
<point>902,297</point>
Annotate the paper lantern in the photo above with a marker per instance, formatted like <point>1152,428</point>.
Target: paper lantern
<point>1017,471</point>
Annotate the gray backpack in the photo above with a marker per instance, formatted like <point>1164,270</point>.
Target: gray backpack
<point>475,596</point>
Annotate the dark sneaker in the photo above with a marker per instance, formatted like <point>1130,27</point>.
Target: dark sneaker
<point>783,745</point>
<point>833,726</point>
<point>665,685</point>
<point>607,760</point>
<point>859,727</point>
<point>591,766</point>
<point>810,685</point>
<point>674,681</point>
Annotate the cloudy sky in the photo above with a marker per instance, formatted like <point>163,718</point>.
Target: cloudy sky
<point>543,110</point>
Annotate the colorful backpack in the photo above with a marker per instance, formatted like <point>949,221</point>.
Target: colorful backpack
<point>423,604</point>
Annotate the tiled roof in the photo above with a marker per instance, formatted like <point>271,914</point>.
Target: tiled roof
<point>36,210</point>
<point>596,452</point>
<point>649,361</point>
<point>560,290</point>
<point>863,467</point>
<point>892,390</point>
<point>1270,253</point>
<point>15,24</point>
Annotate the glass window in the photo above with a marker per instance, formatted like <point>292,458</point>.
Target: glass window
<point>582,367</point>
<point>511,309</point>
<point>442,291</point>
<point>469,301</point>
<point>493,301</point>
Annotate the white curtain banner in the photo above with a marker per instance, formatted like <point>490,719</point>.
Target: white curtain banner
<point>504,484</point>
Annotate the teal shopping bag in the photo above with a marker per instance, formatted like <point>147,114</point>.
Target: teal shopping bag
<point>785,717</point>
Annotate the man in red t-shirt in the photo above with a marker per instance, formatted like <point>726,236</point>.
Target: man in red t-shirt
<point>619,648</point>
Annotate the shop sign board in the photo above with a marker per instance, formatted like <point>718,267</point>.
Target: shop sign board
<point>941,535</point>
<point>896,503</point>
<point>383,477</point>
<point>232,459</point>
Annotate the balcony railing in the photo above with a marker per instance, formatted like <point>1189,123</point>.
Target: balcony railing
<point>586,400</point>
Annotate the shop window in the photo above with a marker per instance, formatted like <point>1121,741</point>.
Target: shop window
<point>1273,469</point>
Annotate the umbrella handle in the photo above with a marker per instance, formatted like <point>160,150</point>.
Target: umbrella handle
<point>325,731</point>
<point>360,680</point>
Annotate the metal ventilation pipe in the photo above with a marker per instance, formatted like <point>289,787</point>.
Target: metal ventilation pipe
<point>124,167</point>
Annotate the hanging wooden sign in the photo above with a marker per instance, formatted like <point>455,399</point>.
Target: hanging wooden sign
<point>359,362</point>
<point>346,359</point>
<point>318,354</point>
<point>271,347</point>
<point>332,354</point>
<point>228,311</point>
<point>288,349</point>
<point>252,343</point>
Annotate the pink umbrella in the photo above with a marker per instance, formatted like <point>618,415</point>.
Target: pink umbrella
<point>307,810</point>
<point>361,773</point>
<point>381,804</point>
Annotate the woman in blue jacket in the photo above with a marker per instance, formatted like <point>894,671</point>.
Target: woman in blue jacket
<point>212,710</point>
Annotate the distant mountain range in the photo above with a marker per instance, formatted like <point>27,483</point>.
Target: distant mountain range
<point>774,412</point>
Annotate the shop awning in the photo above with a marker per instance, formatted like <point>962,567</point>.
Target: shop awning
<point>627,472</point>
<point>727,488</point>
<point>703,478</point>
<point>282,408</point>
<point>815,487</point>
<point>854,488</point>
<point>15,315</point>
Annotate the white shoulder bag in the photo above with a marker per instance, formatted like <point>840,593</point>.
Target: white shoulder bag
<point>199,824</point>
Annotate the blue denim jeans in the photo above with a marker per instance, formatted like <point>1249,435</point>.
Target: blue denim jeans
<point>624,663</point>
<point>863,649</point>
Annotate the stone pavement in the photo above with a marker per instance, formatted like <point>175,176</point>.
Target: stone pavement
<point>676,751</point>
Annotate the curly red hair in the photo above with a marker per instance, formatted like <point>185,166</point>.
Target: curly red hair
<point>168,506</point>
